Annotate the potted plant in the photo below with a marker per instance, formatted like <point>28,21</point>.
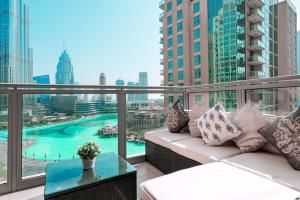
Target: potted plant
<point>88,154</point>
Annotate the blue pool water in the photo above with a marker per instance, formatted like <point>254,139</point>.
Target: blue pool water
<point>61,141</point>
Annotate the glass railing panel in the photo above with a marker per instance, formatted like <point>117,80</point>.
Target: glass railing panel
<point>275,101</point>
<point>228,98</point>
<point>143,114</point>
<point>55,126</point>
<point>3,137</point>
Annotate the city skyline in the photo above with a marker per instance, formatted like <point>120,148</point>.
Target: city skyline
<point>113,66</point>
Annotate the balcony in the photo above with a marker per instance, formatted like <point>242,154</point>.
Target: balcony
<point>162,4</point>
<point>162,72</point>
<point>161,17</point>
<point>255,3</point>
<point>161,30</point>
<point>49,130</point>
<point>161,40</point>
<point>162,83</point>
<point>255,45</point>
<point>255,31</point>
<point>162,61</point>
<point>161,51</point>
<point>255,16</point>
<point>256,60</point>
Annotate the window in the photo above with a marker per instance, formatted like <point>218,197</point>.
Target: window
<point>197,73</point>
<point>170,99</point>
<point>179,39</point>
<point>180,51</point>
<point>197,47</point>
<point>180,75</point>
<point>170,42</point>
<point>197,7</point>
<point>179,27</point>
<point>170,77</point>
<point>170,54</point>
<point>170,64</point>
<point>197,83</point>
<point>179,2</point>
<point>180,63</point>
<point>170,31</point>
<point>181,99</point>
<point>169,20</point>
<point>196,34</point>
<point>197,99</point>
<point>179,14</point>
<point>197,20</point>
<point>169,6</point>
<point>180,84</point>
<point>197,60</point>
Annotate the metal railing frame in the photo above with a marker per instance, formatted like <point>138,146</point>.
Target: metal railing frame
<point>15,94</point>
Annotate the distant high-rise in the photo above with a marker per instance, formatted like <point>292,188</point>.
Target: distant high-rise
<point>120,82</point>
<point>131,97</point>
<point>143,81</point>
<point>102,81</point>
<point>43,79</point>
<point>64,73</point>
<point>15,54</point>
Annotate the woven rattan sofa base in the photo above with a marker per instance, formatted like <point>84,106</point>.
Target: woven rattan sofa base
<point>179,162</point>
<point>158,156</point>
<point>166,160</point>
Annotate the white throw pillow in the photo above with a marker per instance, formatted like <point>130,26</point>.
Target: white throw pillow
<point>250,120</point>
<point>216,127</point>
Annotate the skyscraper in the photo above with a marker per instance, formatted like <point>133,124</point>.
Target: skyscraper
<point>15,53</point>
<point>64,73</point>
<point>217,41</point>
<point>102,81</point>
<point>143,81</point>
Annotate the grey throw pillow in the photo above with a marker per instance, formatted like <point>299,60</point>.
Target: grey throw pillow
<point>177,118</point>
<point>284,134</point>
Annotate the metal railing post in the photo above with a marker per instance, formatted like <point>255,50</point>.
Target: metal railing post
<point>241,96</point>
<point>122,123</point>
<point>186,100</point>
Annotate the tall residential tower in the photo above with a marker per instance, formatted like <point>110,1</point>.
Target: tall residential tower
<point>218,41</point>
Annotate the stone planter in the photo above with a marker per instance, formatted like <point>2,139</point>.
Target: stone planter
<point>88,164</point>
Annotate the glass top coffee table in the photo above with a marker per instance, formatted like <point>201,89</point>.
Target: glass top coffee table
<point>112,178</point>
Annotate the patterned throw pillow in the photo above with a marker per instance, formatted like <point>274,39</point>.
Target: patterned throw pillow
<point>250,120</point>
<point>216,127</point>
<point>177,118</point>
<point>284,134</point>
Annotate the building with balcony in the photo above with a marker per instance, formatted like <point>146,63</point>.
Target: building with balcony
<point>221,41</point>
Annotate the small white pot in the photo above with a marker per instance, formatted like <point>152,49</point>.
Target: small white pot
<point>88,164</point>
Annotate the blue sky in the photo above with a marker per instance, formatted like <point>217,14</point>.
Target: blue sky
<point>119,37</point>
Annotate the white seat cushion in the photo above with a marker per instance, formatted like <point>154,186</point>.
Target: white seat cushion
<point>269,165</point>
<point>195,149</point>
<point>214,181</point>
<point>163,137</point>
